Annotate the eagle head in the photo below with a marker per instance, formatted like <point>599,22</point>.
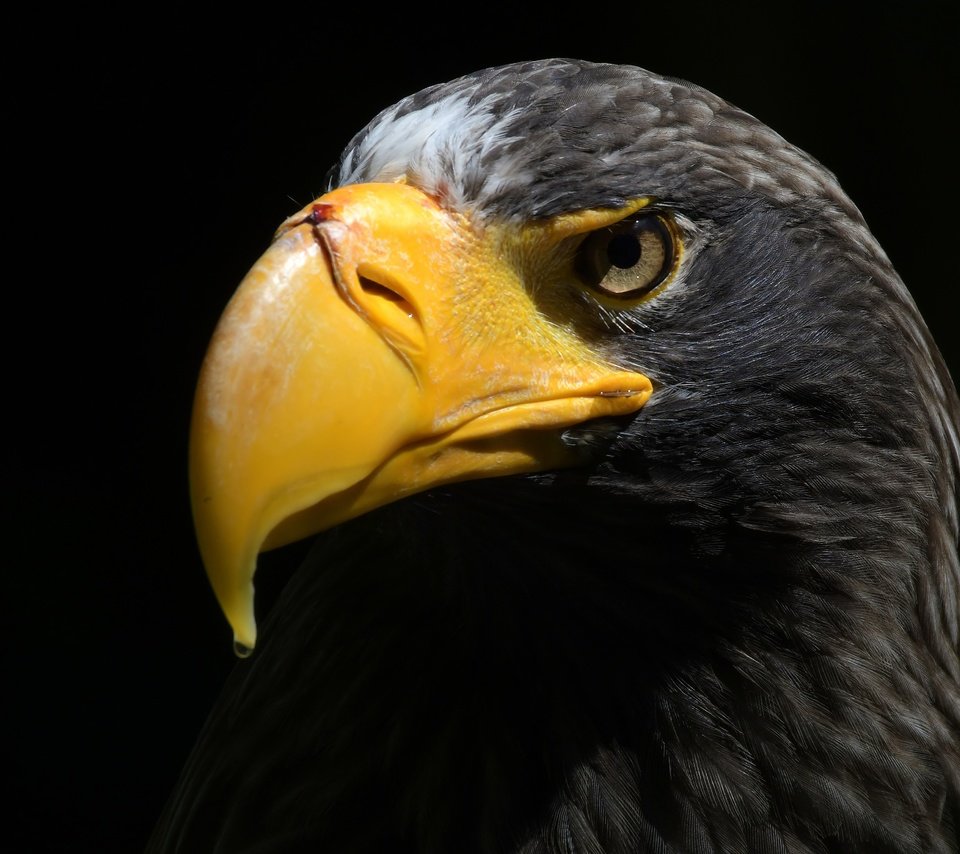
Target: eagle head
<point>634,473</point>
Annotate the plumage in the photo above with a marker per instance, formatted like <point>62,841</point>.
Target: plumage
<point>734,626</point>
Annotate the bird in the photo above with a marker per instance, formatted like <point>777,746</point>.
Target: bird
<point>631,472</point>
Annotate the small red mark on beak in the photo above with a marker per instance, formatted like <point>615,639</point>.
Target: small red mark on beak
<point>319,213</point>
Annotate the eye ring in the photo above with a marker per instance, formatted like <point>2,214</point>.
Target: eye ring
<point>628,259</point>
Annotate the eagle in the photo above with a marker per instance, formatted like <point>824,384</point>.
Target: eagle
<point>632,475</point>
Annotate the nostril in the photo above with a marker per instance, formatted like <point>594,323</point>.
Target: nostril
<point>375,289</point>
<point>383,301</point>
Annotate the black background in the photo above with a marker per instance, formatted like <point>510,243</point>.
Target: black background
<point>152,159</point>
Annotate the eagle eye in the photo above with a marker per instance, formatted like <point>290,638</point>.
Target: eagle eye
<point>628,259</point>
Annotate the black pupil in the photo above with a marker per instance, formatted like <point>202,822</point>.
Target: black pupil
<point>623,251</point>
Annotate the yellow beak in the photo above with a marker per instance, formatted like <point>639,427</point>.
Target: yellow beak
<point>381,346</point>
